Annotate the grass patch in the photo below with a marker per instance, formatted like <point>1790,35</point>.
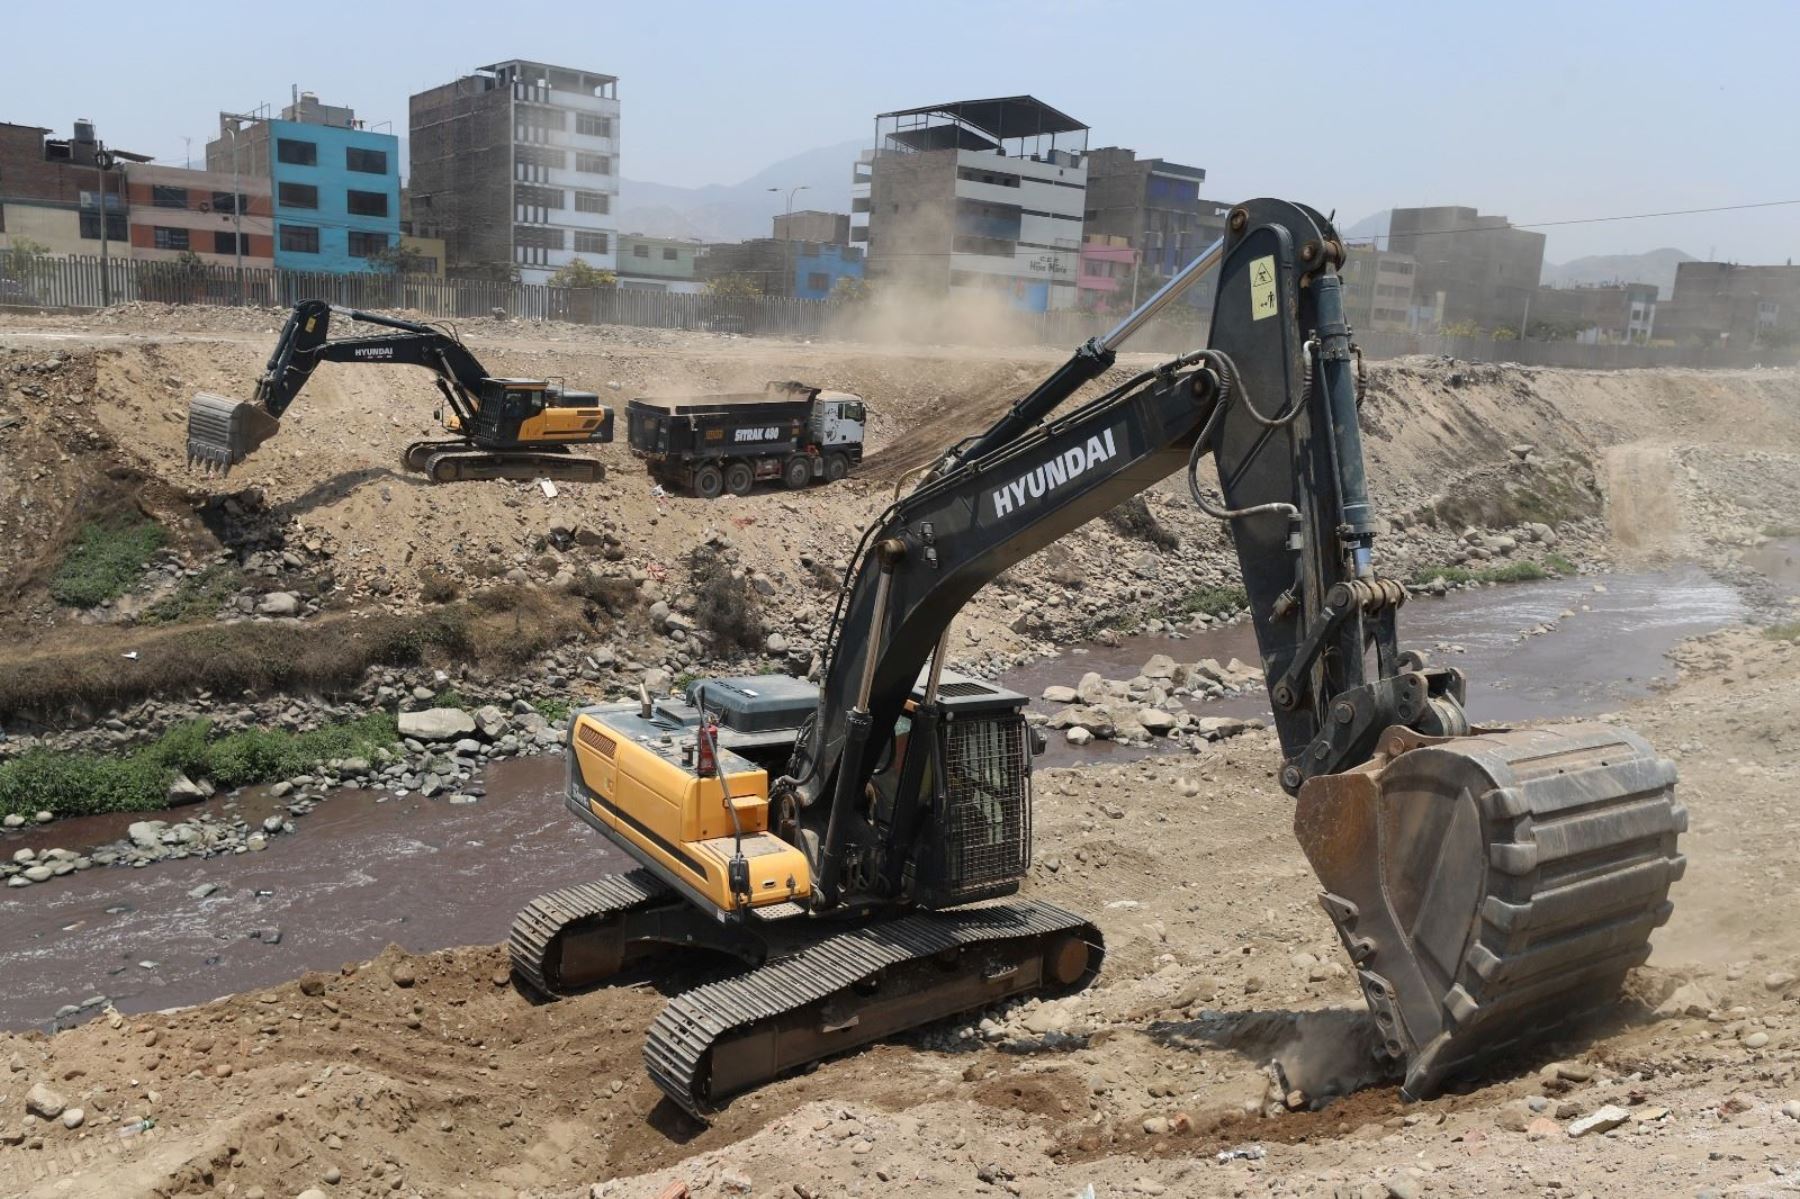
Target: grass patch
<point>325,654</point>
<point>556,711</point>
<point>1788,630</point>
<point>1214,601</point>
<point>1781,529</point>
<point>450,697</point>
<point>104,562</point>
<point>437,586</point>
<point>198,597</point>
<point>74,784</point>
<point>727,605</point>
<point>1560,564</point>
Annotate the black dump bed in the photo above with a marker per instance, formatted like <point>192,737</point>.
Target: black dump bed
<point>770,421</point>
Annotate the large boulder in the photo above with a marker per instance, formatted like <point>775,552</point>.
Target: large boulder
<point>1156,722</point>
<point>1091,689</point>
<point>437,724</point>
<point>1160,666</point>
<point>1096,720</point>
<point>1060,695</point>
<point>146,834</point>
<point>184,790</point>
<point>278,603</point>
<point>491,721</point>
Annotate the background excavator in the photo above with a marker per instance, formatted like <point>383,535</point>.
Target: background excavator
<point>856,846</point>
<point>504,428</point>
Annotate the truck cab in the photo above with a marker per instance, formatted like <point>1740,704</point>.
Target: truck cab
<point>837,420</point>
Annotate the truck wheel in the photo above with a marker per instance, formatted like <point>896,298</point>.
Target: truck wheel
<point>836,467</point>
<point>708,482</point>
<point>740,477</point>
<point>797,472</point>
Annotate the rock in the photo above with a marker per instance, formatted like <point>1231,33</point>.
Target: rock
<point>1096,720</point>
<point>1756,1040</point>
<point>1573,1071</point>
<point>1604,1120</point>
<point>1791,1109</point>
<point>1091,688</point>
<point>185,790</point>
<point>278,603</point>
<point>402,974</point>
<point>332,1175</point>
<point>13,820</point>
<point>1156,722</point>
<point>38,874</point>
<point>1160,666</point>
<point>490,721</point>
<point>1692,998</point>
<point>146,834</point>
<point>1780,980</point>
<point>776,644</point>
<point>436,724</point>
<point>657,681</point>
<point>272,824</point>
<point>311,1193</point>
<point>1148,1186</point>
<point>1078,736</point>
<point>1217,728</point>
<point>1157,1126</point>
<point>73,1117</point>
<point>203,890</point>
<point>1403,1186</point>
<point>1060,695</point>
<point>1521,451</point>
<point>43,1102</point>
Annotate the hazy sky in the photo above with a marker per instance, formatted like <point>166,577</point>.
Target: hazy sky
<point>1539,111</point>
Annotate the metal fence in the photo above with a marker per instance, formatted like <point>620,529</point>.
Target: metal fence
<point>78,283</point>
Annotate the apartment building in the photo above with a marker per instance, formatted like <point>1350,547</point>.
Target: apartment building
<point>975,197</point>
<point>227,221</point>
<point>516,167</point>
<point>335,183</point>
<point>1154,204</point>
<point>1592,315</point>
<point>53,190</point>
<point>1378,288</point>
<point>800,270</point>
<point>1471,270</point>
<point>669,264</point>
<point>1733,306</point>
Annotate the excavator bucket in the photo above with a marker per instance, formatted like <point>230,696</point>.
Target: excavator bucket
<point>222,431</point>
<point>1492,887</point>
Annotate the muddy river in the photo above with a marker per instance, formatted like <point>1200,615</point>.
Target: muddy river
<point>364,870</point>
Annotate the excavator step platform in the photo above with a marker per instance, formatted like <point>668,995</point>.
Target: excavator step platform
<point>1491,888</point>
<point>804,989</point>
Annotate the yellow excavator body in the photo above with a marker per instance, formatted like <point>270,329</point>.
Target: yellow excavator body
<point>644,790</point>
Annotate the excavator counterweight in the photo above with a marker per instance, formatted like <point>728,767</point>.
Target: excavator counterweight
<point>855,848</point>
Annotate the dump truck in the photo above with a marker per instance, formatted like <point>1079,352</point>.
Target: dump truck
<point>710,444</point>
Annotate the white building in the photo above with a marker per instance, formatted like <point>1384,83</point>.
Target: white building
<point>518,163</point>
<point>975,196</point>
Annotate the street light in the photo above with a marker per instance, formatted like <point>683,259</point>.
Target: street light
<point>789,239</point>
<point>103,161</point>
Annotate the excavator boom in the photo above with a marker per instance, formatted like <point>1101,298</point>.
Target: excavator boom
<point>1488,884</point>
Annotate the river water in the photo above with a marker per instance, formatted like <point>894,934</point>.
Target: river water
<point>1608,652</point>
<point>363,870</point>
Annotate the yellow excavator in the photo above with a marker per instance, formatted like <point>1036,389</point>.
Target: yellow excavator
<point>503,428</point>
<point>853,849</point>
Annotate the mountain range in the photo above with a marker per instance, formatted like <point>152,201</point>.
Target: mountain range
<point>734,212</point>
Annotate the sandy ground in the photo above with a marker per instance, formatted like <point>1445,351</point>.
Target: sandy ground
<point>430,1076</point>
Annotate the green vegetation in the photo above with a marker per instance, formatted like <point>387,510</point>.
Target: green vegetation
<point>449,697</point>
<point>198,597</point>
<point>79,784</point>
<point>556,711</point>
<point>1214,601</point>
<point>1785,631</point>
<point>581,273</point>
<point>1781,529</point>
<point>104,562</point>
<point>1560,564</point>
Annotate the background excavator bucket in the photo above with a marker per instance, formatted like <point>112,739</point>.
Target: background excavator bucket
<point>1492,887</point>
<point>222,431</point>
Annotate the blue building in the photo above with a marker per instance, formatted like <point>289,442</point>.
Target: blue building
<point>819,265</point>
<point>337,195</point>
<point>335,185</point>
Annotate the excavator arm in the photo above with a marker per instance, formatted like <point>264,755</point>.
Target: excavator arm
<point>223,431</point>
<point>1487,884</point>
